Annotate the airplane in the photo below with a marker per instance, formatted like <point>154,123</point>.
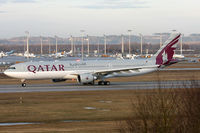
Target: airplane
<point>88,71</point>
<point>2,54</point>
<point>29,55</point>
<point>10,52</point>
<point>179,56</point>
<point>61,54</point>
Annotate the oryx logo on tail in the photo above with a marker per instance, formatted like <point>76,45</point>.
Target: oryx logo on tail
<point>165,55</point>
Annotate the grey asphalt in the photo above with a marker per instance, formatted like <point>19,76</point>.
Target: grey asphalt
<point>65,87</point>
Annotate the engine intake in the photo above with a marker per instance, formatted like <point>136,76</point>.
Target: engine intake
<point>85,78</point>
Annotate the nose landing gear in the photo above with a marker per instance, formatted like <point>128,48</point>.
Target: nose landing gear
<point>23,83</point>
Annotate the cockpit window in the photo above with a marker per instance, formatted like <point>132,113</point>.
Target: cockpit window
<point>11,68</point>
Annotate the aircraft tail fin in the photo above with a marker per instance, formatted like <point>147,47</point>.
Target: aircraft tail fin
<point>164,55</point>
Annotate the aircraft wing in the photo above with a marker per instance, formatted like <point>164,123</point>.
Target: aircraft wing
<point>109,71</point>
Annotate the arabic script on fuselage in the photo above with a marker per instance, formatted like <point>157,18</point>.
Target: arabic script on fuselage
<point>77,64</point>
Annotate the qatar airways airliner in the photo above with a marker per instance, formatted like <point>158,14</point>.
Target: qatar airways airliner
<point>86,72</point>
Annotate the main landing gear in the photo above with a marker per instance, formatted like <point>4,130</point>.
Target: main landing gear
<point>104,83</point>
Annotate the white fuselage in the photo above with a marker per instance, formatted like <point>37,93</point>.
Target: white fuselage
<point>70,69</point>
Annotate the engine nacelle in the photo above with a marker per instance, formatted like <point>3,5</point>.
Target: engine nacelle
<point>58,80</point>
<point>85,78</point>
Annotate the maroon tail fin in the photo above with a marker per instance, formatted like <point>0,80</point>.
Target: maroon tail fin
<point>165,54</point>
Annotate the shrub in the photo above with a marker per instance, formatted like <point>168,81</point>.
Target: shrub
<point>166,111</point>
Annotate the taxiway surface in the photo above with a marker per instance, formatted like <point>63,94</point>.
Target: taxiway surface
<point>78,87</point>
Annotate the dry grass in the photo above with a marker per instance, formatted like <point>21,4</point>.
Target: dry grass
<point>57,106</point>
<point>167,111</point>
<point>185,65</point>
<point>52,108</point>
<point>77,127</point>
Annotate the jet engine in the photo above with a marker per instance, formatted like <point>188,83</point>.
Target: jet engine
<point>86,78</point>
<point>58,80</point>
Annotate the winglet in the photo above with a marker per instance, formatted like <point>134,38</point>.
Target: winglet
<point>165,54</point>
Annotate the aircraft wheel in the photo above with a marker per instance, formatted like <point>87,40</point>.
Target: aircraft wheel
<point>90,83</point>
<point>100,83</point>
<point>104,83</point>
<point>107,82</point>
<point>23,84</point>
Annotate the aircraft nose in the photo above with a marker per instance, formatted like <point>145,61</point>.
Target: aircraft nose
<point>6,72</point>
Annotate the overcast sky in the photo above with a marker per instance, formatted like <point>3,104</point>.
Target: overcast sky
<point>97,17</point>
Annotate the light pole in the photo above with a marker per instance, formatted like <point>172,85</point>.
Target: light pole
<point>72,44</point>
<point>41,45</point>
<point>56,44</point>
<point>74,52</point>
<point>49,46</point>
<point>88,44</point>
<point>24,44</point>
<point>174,31</point>
<point>160,40</point>
<point>27,41</point>
<point>181,43</point>
<point>105,41</point>
<point>122,44</point>
<point>141,42</point>
<point>129,42</point>
<point>98,47</point>
<point>82,31</point>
